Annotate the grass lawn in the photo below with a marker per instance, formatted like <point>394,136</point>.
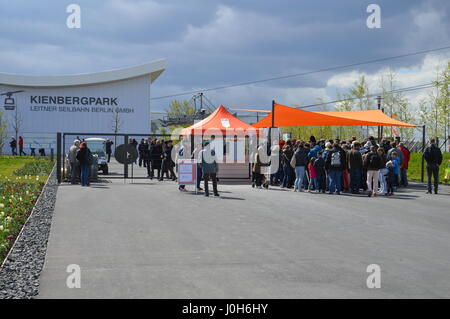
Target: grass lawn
<point>415,165</point>
<point>11,164</point>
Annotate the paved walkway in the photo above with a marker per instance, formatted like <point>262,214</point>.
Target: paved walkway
<point>147,240</point>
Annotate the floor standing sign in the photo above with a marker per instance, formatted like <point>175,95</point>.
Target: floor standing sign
<point>187,172</point>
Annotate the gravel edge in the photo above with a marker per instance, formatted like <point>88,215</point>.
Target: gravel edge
<point>19,274</point>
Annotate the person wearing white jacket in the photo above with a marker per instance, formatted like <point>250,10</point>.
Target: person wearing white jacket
<point>72,156</point>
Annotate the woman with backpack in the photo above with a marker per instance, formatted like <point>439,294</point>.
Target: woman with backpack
<point>286,157</point>
<point>84,157</point>
<point>373,164</point>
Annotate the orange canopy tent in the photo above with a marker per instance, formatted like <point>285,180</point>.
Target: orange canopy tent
<point>288,116</point>
<point>221,122</point>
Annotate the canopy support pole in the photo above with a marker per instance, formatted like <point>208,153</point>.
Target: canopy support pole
<point>423,150</point>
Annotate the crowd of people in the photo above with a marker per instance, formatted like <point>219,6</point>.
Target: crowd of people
<point>332,166</point>
<point>336,166</point>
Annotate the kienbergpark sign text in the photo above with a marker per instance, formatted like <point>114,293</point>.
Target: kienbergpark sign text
<point>77,104</point>
<point>91,103</point>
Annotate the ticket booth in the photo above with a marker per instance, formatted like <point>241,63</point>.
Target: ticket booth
<point>230,138</point>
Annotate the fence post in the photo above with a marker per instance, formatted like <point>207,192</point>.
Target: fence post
<point>423,150</point>
<point>58,157</point>
<point>125,166</point>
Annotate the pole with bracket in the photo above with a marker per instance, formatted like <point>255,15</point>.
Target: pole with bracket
<point>125,166</point>
<point>58,157</point>
<point>423,150</point>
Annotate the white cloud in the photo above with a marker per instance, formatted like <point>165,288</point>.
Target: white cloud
<point>423,73</point>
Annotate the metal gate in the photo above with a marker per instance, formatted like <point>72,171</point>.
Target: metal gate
<point>115,170</point>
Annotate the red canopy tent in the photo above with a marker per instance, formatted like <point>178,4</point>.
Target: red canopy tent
<point>220,122</point>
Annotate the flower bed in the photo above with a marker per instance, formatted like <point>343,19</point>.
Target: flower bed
<point>19,191</point>
<point>17,199</point>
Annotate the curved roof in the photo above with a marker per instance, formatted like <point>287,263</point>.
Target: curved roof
<point>153,69</point>
<point>222,122</point>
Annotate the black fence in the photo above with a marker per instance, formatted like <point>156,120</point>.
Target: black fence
<point>65,140</point>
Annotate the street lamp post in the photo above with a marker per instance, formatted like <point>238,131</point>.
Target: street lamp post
<point>380,128</point>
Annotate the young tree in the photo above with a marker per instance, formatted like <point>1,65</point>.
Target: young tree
<point>396,105</point>
<point>345,104</point>
<point>434,110</point>
<point>180,108</point>
<point>116,124</point>
<point>17,122</point>
<point>360,94</point>
<point>3,128</point>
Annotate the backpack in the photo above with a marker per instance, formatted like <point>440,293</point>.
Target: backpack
<point>293,161</point>
<point>336,159</point>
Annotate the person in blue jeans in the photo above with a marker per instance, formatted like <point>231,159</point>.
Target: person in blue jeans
<point>286,157</point>
<point>396,163</point>
<point>335,181</point>
<point>84,157</point>
<point>335,164</point>
<point>355,165</point>
<point>301,160</point>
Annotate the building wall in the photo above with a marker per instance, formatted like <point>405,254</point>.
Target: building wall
<point>83,109</point>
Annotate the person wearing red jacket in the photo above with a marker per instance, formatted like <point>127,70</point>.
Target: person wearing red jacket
<point>21,146</point>
<point>404,166</point>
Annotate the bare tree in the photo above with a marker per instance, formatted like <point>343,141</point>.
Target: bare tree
<point>17,122</point>
<point>116,124</point>
<point>3,128</point>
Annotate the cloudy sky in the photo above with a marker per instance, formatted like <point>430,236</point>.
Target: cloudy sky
<point>210,43</point>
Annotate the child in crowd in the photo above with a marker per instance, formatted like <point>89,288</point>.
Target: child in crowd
<point>395,162</point>
<point>312,175</point>
<point>319,165</point>
<point>390,178</point>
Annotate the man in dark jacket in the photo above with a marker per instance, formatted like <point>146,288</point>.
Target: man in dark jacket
<point>143,146</point>
<point>84,157</point>
<point>319,165</point>
<point>108,145</point>
<point>167,163</point>
<point>13,145</point>
<point>373,163</point>
<point>335,164</point>
<point>355,165</point>
<point>208,162</point>
<point>301,161</point>
<point>155,155</point>
<point>433,156</point>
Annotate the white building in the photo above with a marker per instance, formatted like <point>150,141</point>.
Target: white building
<point>86,103</point>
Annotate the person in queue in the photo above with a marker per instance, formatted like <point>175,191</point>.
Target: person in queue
<point>301,161</point>
<point>84,157</point>
<point>373,163</point>
<point>335,164</point>
<point>74,164</point>
<point>108,146</point>
<point>433,157</point>
<point>355,165</point>
<point>208,162</point>
<point>404,166</point>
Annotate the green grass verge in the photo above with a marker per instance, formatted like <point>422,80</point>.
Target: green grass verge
<point>18,168</point>
<point>415,165</point>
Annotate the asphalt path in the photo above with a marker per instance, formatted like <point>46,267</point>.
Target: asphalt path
<point>145,239</point>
